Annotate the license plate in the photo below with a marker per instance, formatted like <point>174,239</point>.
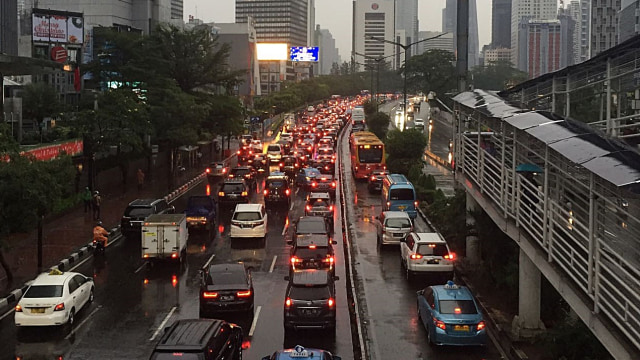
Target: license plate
<point>433,261</point>
<point>398,234</point>
<point>309,311</point>
<point>401,207</point>
<point>226,298</point>
<point>233,196</point>
<point>37,310</point>
<point>461,328</point>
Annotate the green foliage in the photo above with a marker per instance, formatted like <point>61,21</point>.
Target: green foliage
<point>378,123</point>
<point>433,70</point>
<point>449,215</point>
<point>497,76</point>
<point>572,340</point>
<point>224,115</point>
<point>39,100</point>
<point>369,108</point>
<point>405,148</point>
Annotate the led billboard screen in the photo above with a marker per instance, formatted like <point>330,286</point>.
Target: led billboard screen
<point>303,53</point>
<point>269,51</point>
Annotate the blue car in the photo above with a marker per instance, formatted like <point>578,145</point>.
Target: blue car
<point>451,316</point>
<point>300,352</point>
<point>305,178</point>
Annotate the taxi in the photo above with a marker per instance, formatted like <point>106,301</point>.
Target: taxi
<point>451,316</point>
<point>300,352</point>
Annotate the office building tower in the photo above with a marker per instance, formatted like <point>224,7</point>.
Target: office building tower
<point>277,21</point>
<point>529,9</point>
<point>373,19</point>
<point>177,9</point>
<point>604,24</point>
<point>493,55</point>
<point>407,20</point>
<point>449,24</point>
<point>628,20</point>
<point>501,24</point>
<point>328,51</point>
<point>545,45</point>
<point>444,42</point>
<point>579,12</point>
<point>9,27</point>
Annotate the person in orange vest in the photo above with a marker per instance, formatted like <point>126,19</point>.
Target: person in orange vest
<point>100,234</point>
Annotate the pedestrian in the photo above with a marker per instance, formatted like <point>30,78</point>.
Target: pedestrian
<point>86,198</point>
<point>97,201</point>
<point>140,176</point>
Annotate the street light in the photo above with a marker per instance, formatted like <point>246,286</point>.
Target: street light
<point>406,54</point>
<point>377,60</point>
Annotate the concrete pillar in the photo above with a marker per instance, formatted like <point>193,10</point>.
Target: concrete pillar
<point>527,323</point>
<point>472,240</point>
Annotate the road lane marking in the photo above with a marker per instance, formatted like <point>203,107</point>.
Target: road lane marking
<point>273,263</point>
<point>140,268</point>
<point>291,207</point>
<point>163,323</point>
<point>297,190</point>
<point>82,323</point>
<point>206,265</point>
<point>8,313</point>
<point>81,262</point>
<point>284,231</point>
<point>255,321</point>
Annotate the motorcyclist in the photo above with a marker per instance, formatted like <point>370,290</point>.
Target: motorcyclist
<point>100,234</point>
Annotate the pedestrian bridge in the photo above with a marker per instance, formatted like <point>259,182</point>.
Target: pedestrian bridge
<point>570,197</point>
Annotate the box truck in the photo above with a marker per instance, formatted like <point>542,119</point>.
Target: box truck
<point>164,237</point>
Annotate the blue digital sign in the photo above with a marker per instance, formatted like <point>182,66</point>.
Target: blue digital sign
<point>304,53</point>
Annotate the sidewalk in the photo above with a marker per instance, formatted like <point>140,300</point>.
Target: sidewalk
<point>65,233</point>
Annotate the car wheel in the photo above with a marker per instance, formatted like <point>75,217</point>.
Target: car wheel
<point>72,315</point>
<point>418,310</point>
<point>90,300</point>
<point>429,339</point>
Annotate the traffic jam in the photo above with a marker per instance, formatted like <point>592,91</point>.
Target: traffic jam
<point>252,262</point>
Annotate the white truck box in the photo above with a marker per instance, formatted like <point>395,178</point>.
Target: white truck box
<point>164,236</point>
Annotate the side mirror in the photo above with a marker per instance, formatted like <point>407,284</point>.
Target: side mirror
<point>287,278</point>
<point>420,292</point>
<point>333,242</point>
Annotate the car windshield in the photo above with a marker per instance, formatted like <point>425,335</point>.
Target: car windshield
<point>273,148</point>
<point>457,307</point>
<point>311,227</point>
<point>276,184</point>
<point>44,291</point>
<point>289,161</point>
<point>399,223</point>
<point>217,277</point>
<point>401,194</point>
<point>182,355</point>
<point>232,188</point>
<point>247,216</point>
<point>137,211</point>
<point>432,249</point>
<point>240,171</point>
<point>309,293</point>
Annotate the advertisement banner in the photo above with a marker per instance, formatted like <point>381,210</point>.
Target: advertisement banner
<point>58,28</point>
<point>40,27</point>
<point>73,147</point>
<point>75,30</point>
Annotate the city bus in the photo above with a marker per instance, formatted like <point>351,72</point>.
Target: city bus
<point>367,154</point>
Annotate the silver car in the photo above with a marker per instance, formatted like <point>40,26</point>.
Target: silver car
<point>392,227</point>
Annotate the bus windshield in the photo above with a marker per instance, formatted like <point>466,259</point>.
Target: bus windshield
<point>370,156</point>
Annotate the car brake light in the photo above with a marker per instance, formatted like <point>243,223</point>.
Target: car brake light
<point>373,178</point>
<point>174,255</point>
<point>457,310</point>
<point>308,207</point>
<point>314,184</point>
<point>333,184</point>
<point>481,325</point>
<point>281,164</point>
<point>415,203</point>
<point>295,260</point>
<point>296,165</point>
<point>388,203</point>
<point>18,308</point>
<point>450,256</point>
<point>330,207</point>
<point>59,307</point>
<point>287,302</point>
<point>439,324</point>
<point>415,256</point>
<point>244,293</point>
<point>238,152</point>
<point>244,193</point>
<point>221,193</point>
<point>224,170</point>
<point>207,170</point>
<point>329,259</point>
<point>265,192</point>
<point>331,302</point>
<point>288,192</point>
<point>209,295</point>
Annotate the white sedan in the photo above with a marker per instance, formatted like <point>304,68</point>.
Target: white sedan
<point>53,299</point>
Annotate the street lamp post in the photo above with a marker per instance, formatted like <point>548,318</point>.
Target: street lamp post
<point>406,58</point>
<point>377,60</point>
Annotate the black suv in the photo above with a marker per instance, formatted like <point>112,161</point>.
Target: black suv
<point>232,192</point>
<point>310,300</point>
<point>206,339</point>
<point>277,190</point>
<point>313,251</point>
<point>138,210</point>
<point>247,173</point>
<point>226,288</point>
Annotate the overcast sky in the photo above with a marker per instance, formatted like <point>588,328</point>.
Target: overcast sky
<point>336,16</point>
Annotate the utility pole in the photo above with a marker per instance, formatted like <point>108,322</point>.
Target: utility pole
<point>462,28</point>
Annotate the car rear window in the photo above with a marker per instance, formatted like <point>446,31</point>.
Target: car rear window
<point>226,277</point>
<point>137,211</point>
<point>401,194</point>
<point>276,184</point>
<point>433,249</point>
<point>457,307</point>
<point>399,223</point>
<point>232,188</point>
<point>310,293</point>
<point>319,202</point>
<point>240,171</point>
<point>325,179</point>
<point>311,227</point>
<point>247,216</point>
<point>317,253</point>
<point>44,291</point>
<point>273,148</point>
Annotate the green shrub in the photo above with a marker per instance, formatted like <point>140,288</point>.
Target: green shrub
<point>572,340</point>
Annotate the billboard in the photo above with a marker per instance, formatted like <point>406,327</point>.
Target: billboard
<point>57,27</point>
<point>304,53</point>
<point>272,51</point>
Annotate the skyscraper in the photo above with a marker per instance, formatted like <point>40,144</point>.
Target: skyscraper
<point>328,50</point>
<point>373,18</point>
<point>529,9</point>
<point>545,45</point>
<point>9,27</point>
<point>449,24</point>
<point>628,22</point>
<point>283,21</point>
<point>579,12</point>
<point>177,9</point>
<point>501,24</point>
<point>407,20</point>
<point>604,24</point>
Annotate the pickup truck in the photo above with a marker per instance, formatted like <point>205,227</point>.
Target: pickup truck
<point>201,212</point>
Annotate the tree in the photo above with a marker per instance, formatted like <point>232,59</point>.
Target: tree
<point>405,148</point>
<point>432,70</point>
<point>39,100</point>
<point>378,123</point>
<point>497,75</point>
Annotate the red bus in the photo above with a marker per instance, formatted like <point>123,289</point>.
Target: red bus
<point>367,154</point>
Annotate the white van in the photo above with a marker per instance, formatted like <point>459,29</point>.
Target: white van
<point>249,221</point>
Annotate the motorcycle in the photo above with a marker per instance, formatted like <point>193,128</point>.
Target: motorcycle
<point>98,247</point>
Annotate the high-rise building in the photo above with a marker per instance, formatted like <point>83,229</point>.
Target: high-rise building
<point>449,24</point>
<point>373,18</point>
<point>604,24</point>
<point>407,20</point>
<point>177,9</point>
<point>628,20</point>
<point>497,54</point>
<point>579,12</point>
<point>277,21</point>
<point>444,42</point>
<point>530,9</point>
<point>328,50</point>
<point>545,45</point>
<point>500,24</point>
<point>9,27</point>
<point>311,23</point>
